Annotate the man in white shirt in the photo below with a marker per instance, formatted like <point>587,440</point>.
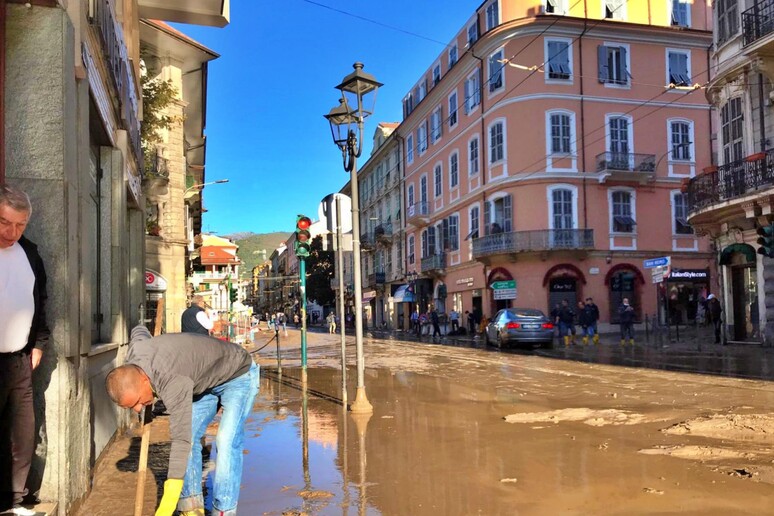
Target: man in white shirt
<point>23,334</point>
<point>195,318</point>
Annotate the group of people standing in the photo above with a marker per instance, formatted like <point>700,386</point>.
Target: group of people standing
<point>566,319</point>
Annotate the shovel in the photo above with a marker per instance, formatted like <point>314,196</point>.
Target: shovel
<point>142,468</point>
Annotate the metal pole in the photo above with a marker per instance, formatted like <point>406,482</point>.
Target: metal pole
<point>361,403</point>
<point>340,272</point>
<point>302,273</point>
<point>279,355</point>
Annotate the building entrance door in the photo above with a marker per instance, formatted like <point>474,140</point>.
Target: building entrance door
<point>563,288</point>
<point>744,300</point>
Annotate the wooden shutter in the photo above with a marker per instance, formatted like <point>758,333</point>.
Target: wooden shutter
<point>507,214</point>
<point>604,73</point>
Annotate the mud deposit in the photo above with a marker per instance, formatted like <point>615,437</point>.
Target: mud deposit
<point>459,431</point>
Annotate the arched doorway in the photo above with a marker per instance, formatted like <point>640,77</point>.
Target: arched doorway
<point>565,282</point>
<point>499,300</point>
<point>624,281</point>
<point>743,291</point>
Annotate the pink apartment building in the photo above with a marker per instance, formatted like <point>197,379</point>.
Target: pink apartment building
<point>561,178</point>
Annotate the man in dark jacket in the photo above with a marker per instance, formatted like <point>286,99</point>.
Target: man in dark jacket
<point>566,321</point>
<point>626,319</point>
<point>23,335</point>
<point>594,316</point>
<point>714,309</point>
<point>195,318</point>
<point>192,374</point>
<point>436,322</point>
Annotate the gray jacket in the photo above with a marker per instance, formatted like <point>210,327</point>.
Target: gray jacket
<point>181,366</point>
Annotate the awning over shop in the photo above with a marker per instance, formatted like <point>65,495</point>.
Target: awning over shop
<point>746,250</point>
<point>404,294</point>
<point>368,295</point>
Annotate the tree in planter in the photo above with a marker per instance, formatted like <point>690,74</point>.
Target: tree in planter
<point>157,95</point>
<point>319,270</point>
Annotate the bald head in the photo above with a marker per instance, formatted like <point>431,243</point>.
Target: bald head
<point>129,387</point>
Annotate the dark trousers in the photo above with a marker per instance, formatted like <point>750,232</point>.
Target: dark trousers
<point>627,330</point>
<point>436,329</point>
<point>17,426</point>
<point>455,323</point>
<point>717,323</point>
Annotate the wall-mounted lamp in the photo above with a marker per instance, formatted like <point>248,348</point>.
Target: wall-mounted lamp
<point>608,259</point>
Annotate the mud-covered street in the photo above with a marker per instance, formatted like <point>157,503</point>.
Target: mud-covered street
<point>464,431</point>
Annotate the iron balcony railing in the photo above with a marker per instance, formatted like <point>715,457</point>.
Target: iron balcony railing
<point>383,230</point>
<point>434,263</point>
<point>531,241</point>
<point>626,162</point>
<point>757,21</point>
<point>419,209</point>
<point>377,278</point>
<point>367,241</point>
<point>731,180</point>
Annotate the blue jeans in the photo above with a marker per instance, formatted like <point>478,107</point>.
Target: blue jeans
<point>236,396</point>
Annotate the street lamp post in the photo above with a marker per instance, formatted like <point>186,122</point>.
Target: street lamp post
<point>358,96</point>
<point>202,185</point>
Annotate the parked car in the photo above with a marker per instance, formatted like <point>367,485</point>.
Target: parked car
<point>520,325</point>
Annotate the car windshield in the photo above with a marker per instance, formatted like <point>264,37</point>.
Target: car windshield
<point>526,312</point>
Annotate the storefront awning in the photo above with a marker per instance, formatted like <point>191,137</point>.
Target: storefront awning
<point>404,294</point>
<point>368,295</point>
<point>746,250</point>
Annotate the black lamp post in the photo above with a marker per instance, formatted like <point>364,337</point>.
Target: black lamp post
<point>358,97</point>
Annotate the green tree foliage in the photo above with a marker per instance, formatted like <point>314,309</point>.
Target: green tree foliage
<point>157,95</point>
<point>320,270</point>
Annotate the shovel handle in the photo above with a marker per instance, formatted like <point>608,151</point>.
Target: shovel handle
<point>142,468</point>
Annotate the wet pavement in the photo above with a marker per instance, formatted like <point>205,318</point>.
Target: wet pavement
<point>457,429</point>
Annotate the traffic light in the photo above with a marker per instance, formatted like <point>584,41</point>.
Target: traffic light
<point>303,238</point>
<point>234,294</point>
<point>766,240</point>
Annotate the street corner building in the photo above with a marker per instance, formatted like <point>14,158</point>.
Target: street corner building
<point>71,102</point>
<point>544,156</point>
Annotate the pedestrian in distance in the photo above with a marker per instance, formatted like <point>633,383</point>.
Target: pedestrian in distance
<point>331,322</point>
<point>195,318</point>
<point>296,320</point>
<point>566,319</point>
<point>193,376</point>
<point>585,323</point>
<point>435,320</point>
<point>23,336</point>
<point>284,320</point>
<point>471,322</point>
<point>594,317</point>
<point>714,311</point>
<point>415,326</point>
<point>626,319</point>
<point>454,317</point>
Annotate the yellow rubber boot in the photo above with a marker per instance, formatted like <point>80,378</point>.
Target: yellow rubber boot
<point>631,342</point>
<point>566,341</point>
<point>596,338</point>
<point>585,341</point>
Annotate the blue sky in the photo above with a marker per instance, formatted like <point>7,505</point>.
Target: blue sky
<point>275,80</point>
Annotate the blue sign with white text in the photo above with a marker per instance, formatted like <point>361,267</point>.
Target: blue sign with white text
<point>656,262</point>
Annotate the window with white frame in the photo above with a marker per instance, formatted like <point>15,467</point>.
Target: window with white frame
<point>431,241</point>
<point>619,140</point>
<point>562,209</point>
<point>438,180</point>
<point>408,105</point>
<point>410,195</point>
<point>454,170</point>
<point>422,90</point>
<point>679,67</point>
<point>474,223</point>
<point>411,249</point>
<point>561,127</point>
<point>681,13</point>
<point>496,71</point>
<point>436,74</point>
<point>422,137</point>
<point>496,142</point>
<point>680,214</point>
<point>732,128</point>
<point>423,189</point>
<point>454,232</point>
<point>501,214</point>
<point>622,211</point>
<point>492,15</point>
<point>555,7</point>
<point>453,109</point>
<point>613,63</point>
<point>557,58</point>
<point>410,148</point>
<point>472,92</point>
<point>436,123</point>
<point>614,9</point>
<point>425,243</point>
<point>680,140</point>
<point>453,55</point>
<point>472,33</point>
<point>727,14</point>
<point>473,157</point>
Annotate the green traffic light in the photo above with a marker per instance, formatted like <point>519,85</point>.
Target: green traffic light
<point>766,240</point>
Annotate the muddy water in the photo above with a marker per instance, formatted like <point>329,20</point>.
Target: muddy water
<point>460,431</point>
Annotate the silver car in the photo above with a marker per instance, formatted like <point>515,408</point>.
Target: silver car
<point>519,325</point>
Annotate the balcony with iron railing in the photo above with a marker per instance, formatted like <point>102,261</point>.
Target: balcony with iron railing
<point>533,241</point>
<point>758,22</point>
<point>434,263</point>
<point>418,212</point>
<point>731,181</point>
<point>627,166</point>
<point>375,279</point>
<point>367,242</point>
<point>383,232</point>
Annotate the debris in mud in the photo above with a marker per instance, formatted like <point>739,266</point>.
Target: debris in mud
<point>588,416</point>
<point>650,490</point>
<point>314,494</point>
<point>695,452</point>
<point>734,427</point>
<point>602,446</point>
<point>388,417</point>
<point>741,472</point>
<point>509,480</point>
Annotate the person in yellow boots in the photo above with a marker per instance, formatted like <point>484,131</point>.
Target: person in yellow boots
<point>626,319</point>
<point>566,322</point>
<point>192,374</point>
<point>594,310</point>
